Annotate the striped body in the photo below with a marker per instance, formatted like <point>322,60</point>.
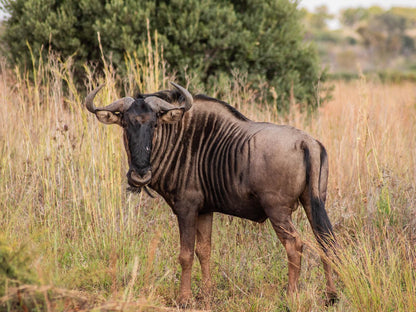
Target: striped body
<point>213,151</point>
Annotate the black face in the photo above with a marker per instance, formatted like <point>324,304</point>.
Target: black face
<point>139,118</point>
<point>139,122</point>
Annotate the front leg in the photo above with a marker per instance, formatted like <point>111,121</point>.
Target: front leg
<point>203,250</point>
<point>187,230</point>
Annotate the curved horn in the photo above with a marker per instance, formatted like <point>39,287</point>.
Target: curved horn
<point>120,105</point>
<point>188,96</point>
<point>158,104</point>
<point>89,100</point>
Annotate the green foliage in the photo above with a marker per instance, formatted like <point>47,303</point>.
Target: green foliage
<point>319,18</point>
<point>206,40</point>
<point>14,266</point>
<point>387,76</point>
<point>383,76</point>
<point>372,40</point>
<point>409,14</point>
<point>351,16</point>
<point>328,36</point>
<point>384,35</point>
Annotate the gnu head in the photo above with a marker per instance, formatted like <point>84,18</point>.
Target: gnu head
<point>138,117</point>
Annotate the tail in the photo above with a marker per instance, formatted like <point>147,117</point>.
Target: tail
<point>316,163</point>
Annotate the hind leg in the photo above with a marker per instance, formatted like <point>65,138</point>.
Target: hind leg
<point>330,285</point>
<point>331,291</point>
<point>280,218</point>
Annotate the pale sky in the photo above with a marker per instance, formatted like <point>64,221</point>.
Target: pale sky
<point>335,5</point>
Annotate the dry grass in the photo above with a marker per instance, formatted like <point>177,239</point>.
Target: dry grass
<point>63,204</point>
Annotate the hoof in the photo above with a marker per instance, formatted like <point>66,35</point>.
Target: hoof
<point>332,299</point>
<point>184,302</point>
<point>204,301</point>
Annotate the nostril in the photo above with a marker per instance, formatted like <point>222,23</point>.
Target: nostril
<point>140,173</point>
<point>137,176</point>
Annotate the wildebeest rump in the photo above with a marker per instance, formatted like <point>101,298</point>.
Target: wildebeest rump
<point>203,156</point>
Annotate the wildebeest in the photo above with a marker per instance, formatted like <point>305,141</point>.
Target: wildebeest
<point>203,156</point>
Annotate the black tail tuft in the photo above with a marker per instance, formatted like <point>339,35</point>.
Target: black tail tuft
<point>321,224</point>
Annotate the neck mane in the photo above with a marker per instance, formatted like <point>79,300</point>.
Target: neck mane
<point>213,101</point>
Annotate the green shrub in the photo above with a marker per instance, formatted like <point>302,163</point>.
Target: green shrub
<point>14,266</point>
<point>203,39</point>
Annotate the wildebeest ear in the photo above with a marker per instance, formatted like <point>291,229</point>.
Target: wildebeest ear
<point>108,117</point>
<point>171,116</point>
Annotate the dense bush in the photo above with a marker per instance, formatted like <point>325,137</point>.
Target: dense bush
<point>206,39</point>
<point>14,266</point>
<point>382,76</point>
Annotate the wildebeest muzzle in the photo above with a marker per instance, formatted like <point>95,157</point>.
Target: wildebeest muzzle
<point>136,179</point>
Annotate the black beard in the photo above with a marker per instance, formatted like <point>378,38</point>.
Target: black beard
<point>137,190</point>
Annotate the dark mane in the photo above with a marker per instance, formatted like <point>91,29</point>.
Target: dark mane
<point>231,109</point>
<point>172,96</point>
